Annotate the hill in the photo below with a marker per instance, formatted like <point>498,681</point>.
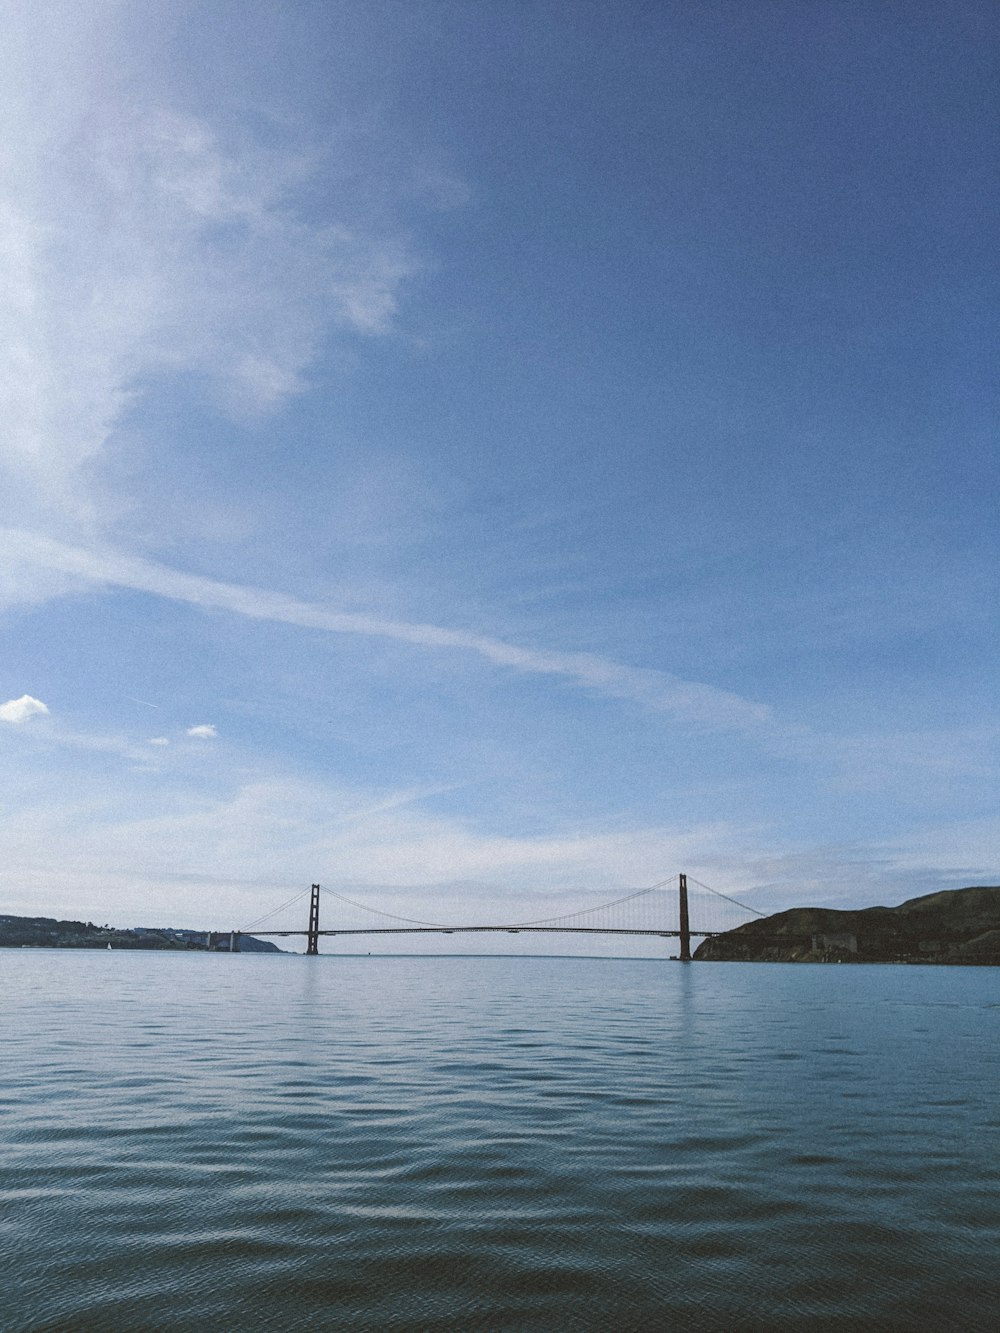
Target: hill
<point>956,926</point>
<point>45,932</point>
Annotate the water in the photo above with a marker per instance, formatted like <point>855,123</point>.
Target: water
<point>249,1142</point>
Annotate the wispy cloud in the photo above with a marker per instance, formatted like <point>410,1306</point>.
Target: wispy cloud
<point>173,850</point>
<point>164,852</point>
<point>868,874</point>
<point>690,702</point>
<point>138,240</point>
<point>205,731</point>
<point>51,736</point>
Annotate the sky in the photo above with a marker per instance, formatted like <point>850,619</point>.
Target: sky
<point>487,458</point>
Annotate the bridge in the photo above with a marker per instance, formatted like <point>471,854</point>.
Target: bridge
<point>660,911</point>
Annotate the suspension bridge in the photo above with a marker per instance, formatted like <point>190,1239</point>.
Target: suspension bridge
<point>679,907</point>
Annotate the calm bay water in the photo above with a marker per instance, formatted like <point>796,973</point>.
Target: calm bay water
<point>249,1142</point>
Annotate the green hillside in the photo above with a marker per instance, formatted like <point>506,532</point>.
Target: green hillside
<point>957,926</point>
<point>44,932</point>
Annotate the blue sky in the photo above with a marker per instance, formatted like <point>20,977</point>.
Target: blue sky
<point>481,456</point>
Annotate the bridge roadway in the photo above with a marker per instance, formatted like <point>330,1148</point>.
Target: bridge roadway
<point>482,930</point>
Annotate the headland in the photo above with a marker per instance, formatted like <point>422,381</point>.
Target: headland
<point>955,926</point>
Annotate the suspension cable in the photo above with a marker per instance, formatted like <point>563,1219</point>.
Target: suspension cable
<point>586,911</point>
<point>274,912</point>
<point>734,901</point>
<point>389,916</point>
<point>413,921</point>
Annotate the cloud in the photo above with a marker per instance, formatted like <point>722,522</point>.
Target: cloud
<point>687,701</point>
<point>187,854</point>
<point>204,732</point>
<point>95,743</point>
<point>20,710</point>
<point>138,240</point>
<point>944,855</point>
<point>165,853</point>
<point>158,740</point>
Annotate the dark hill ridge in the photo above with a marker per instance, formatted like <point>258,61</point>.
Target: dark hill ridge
<point>956,926</point>
<point>45,932</point>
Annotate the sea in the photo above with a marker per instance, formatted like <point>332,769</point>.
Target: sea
<point>215,1141</point>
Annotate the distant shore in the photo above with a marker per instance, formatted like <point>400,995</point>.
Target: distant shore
<point>44,932</point>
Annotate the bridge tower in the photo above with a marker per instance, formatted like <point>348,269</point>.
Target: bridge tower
<point>685,924</point>
<point>312,935</point>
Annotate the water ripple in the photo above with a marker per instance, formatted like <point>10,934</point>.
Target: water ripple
<point>192,1142</point>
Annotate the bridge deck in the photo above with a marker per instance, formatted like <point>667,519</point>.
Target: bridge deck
<point>480,930</point>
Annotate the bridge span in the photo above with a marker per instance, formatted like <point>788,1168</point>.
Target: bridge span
<point>646,912</point>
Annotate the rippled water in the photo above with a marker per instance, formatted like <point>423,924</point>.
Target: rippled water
<point>251,1142</point>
